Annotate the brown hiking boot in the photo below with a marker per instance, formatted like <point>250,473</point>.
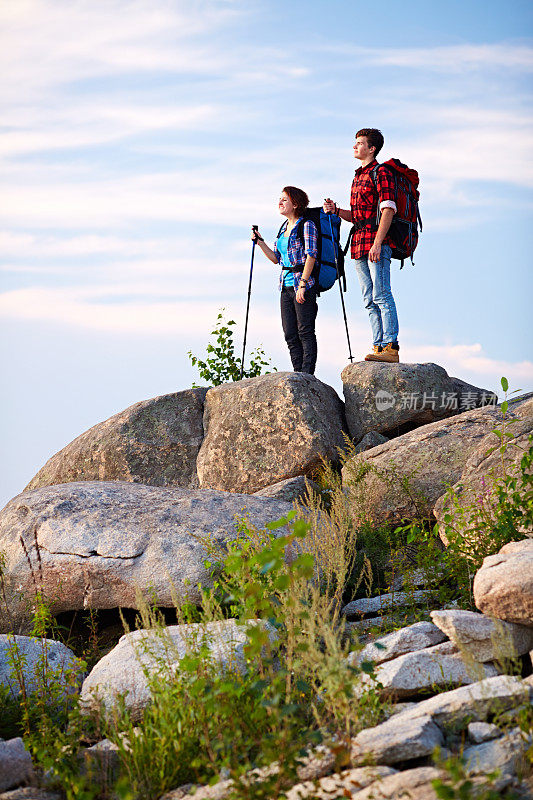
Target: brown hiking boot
<point>376,348</point>
<point>388,354</point>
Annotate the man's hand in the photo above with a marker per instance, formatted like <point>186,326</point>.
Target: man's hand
<point>374,254</point>
<point>329,206</point>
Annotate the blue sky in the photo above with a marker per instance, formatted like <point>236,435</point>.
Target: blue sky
<point>141,139</point>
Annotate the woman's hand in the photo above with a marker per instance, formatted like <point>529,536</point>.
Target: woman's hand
<point>256,236</point>
<point>300,294</point>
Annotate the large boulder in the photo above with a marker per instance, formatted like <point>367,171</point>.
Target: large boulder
<point>503,587</point>
<point>127,669</point>
<point>384,397</point>
<point>486,464</point>
<point>26,663</point>
<point>101,542</point>
<point>404,477</point>
<point>155,442</point>
<point>483,638</point>
<point>263,430</point>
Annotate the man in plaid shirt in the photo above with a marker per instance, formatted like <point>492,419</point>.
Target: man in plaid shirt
<point>371,244</point>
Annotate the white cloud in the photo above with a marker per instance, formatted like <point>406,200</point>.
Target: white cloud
<point>452,58</point>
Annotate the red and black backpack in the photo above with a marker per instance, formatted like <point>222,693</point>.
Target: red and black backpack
<point>404,228</point>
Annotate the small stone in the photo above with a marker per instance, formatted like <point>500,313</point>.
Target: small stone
<point>344,784</point>
<point>34,655</point>
<point>369,440</point>
<point>289,490</point>
<point>15,764</point>
<point>482,732</point>
<point>483,638</point>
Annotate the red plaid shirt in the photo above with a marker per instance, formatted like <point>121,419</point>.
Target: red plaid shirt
<point>364,201</point>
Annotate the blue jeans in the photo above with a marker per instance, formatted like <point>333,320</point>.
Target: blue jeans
<point>374,277</point>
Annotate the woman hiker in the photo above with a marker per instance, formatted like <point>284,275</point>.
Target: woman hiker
<point>297,284</point>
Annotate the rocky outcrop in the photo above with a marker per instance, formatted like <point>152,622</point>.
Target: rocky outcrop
<point>483,638</point>
<point>486,463</point>
<point>35,659</point>
<point>263,430</point>
<point>125,671</point>
<point>397,740</point>
<point>503,587</point>
<point>428,460</point>
<point>385,397</point>
<point>154,442</point>
<point>101,542</point>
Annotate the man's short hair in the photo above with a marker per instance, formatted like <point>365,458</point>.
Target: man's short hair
<point>374,138</point>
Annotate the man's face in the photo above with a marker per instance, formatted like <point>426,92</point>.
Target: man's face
<point>361,150</point>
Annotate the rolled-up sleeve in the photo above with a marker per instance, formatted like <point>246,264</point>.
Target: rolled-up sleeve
<point>386,189</point>
<point>276,251</point>
<point>310,239</point>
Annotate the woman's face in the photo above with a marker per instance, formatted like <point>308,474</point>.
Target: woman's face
<point>285,205</point>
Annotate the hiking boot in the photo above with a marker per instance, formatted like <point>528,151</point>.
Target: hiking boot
<point>376,348</point>
<point>388,354</point>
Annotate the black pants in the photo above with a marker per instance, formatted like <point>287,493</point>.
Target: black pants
<point>298,321</point>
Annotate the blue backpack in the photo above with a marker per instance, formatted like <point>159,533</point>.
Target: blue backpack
<point>329,249</point>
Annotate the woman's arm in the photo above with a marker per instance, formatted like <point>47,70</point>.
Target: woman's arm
<point>311,252</point>
<point>270,254</point>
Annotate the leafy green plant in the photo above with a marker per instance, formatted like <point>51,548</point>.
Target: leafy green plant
<point>221,364</point>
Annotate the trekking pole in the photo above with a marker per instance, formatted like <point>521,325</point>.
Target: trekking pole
<point>254,228</point>
<point>340,289</point>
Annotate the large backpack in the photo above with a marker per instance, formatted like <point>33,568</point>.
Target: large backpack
<point>404,228</point>
<point>330,256</point>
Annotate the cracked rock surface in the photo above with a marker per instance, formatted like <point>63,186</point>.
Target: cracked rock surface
<point>100,542</point>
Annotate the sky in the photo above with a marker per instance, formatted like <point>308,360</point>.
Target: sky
<point>140,140</point>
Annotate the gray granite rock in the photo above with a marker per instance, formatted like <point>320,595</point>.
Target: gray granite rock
<point>101,542</point>
<point>405,640</point>
<point>485,465</point>
<point>409,784</point>
<point>506,753</point>
<point>37,660</point>
<point>369,440</point>
<point>263,430</point>
<point>399,739</point>
<point>123,671</point>
<point>384,602</point>
<point>485,639</point>
<point>479,732</point>
<point>155,442</point>
<point>477,701</point>
<point>439,666</point>
<point>382,397</point>
<point>503,587</point>
<point>15,764</point>
<point>428,459</point>
<point>288,490</point>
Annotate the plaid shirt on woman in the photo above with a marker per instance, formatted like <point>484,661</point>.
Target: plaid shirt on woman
<point>364,204</point>
<point>298,250</point>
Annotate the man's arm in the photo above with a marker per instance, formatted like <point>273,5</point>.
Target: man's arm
<point>330,208</point>
<point>385,221</point>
